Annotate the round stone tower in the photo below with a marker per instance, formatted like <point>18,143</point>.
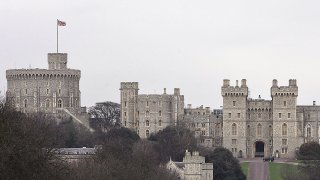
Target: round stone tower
<point>46,90</point>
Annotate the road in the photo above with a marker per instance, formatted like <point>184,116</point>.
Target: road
<point>258,170</point>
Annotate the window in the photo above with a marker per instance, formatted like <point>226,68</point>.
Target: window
<point>198,113</point>
<point>147,133</point>
<point>229,115</point>
<point>26,91</point>
<point>47,104</point>
<point>234,142</point>
<point>289,115</point>
<point>25,103</point>
<point>279,115</point>
<point>147,113</point>
<point>203,125</point>
<point>203,132</point>
<point>160,122</point>
<point>234,103</point>
<point>308,131</point>
<point>238,115</point>
<point>284,103</point>
<point>147,123</point>
<point>125,113</point>
<point>248,131</point>
<point>270,116</point>
<point>125,104</point>
<point>202,141</point>
<point>284,142</point>
<point>59,91</point>
<point>259,115</point>
<point>284,129</point>
<point>234,129</point>
<point>147,103</point>
<point>160,113</point>
<point>217,130</point>
<point>193,125</point>
<point>284,150</point>
<point>125,123</point>
<point>270,130</point>
<point>203,113</point>
<point>259,129</point>
<point>59,103</point>
<point>47,92</point>
<point>138,113</point>
<point>159,103</point>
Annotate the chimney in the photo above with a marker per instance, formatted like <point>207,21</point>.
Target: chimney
<point>237,83</point>
<point>164,90</point>
<point>189,106</point>
<point>314,103</point>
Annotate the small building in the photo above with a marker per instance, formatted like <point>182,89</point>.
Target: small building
<point>193,167</point>
<point>75,155</point>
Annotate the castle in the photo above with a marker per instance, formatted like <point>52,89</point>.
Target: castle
<point>53,91</point>
<point>247,127</point>
<point>193,167</point>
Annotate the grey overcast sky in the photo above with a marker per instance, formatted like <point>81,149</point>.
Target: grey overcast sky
<point>189,44</point>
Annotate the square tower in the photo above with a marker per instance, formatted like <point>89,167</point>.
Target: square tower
<point>285,124</point>
<point>129,99</point>
<point>234,117</point>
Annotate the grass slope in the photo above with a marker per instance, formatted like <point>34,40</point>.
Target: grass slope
<point>245,168</point>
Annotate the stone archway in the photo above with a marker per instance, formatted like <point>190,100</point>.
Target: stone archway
<point>259,148</point>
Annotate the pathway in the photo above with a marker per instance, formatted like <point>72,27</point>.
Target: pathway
<point>258,170</point>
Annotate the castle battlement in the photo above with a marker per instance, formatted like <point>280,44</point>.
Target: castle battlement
<point>129,85</point>
<point>227,90</point>
<point>290,90</point>
<point>42,73</point>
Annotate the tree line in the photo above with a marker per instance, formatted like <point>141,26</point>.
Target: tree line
<point>28,144</point>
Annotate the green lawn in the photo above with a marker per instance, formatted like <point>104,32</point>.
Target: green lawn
<point>275,170</point>
<point>245,168</point>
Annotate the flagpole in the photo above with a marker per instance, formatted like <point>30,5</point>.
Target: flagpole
<point>57,37</point>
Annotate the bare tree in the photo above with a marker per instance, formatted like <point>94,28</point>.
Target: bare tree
<point>105,115</point>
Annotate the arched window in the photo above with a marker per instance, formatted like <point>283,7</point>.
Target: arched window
<point>308,131</point>
<point>259,129</point>
<point>147,133</point>
<point>160,113</point>
<point>248,131</point>
<point>160,123</point>
<point>234,129</point>
<point>147,113</point>
<point>284,129</point>
<point>47,104</point>
<point>270,130</point>
<point>217,130</point>
<point>25,103</point>
<point>147,123</point>
<point>59,103</point>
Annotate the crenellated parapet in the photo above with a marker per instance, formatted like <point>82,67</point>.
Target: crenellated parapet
<point>227,90</point>
<point>129,85</point>
<point>290,90</point>
<point>13,74</point>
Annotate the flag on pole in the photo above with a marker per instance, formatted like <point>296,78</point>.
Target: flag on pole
<point>61,23</point>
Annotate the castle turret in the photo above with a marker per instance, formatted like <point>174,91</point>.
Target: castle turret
<point>234,116</point>
<point>129,96</point>
<point>284,102</point>
<point>57,60</point>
